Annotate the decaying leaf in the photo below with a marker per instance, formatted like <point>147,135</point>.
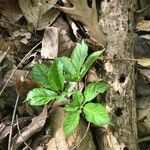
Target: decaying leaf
<point>145,62</point>
<point>8,46</point>
<point>143,25</point>
<point>24,85</point>
<point>58,142</point>
<point>92,76</point>
<point>40,13</point>
<point>2,55</point>
<point>88,16</point>
<point>16,75</point>
<point>145,74</point>
<point>143,114</point>
<point>35,126</point>
<point>11,10</point>
<point>5,127</point>
<point>65,42</point>
<point>23,35</point>
<point>50,43</point>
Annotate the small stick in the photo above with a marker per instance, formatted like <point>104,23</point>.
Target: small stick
<point>144,139</point>
<point>21,134</point>
<point>12,123</point>
<point>82,137</point>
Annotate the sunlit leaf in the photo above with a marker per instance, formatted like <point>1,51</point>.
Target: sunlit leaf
<point>96,114</point>
<point>71,122</point>
<point>39,96</point>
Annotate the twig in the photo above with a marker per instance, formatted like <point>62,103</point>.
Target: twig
<point>21,134</point>
<point>26,56</point>
<point>12,123</point>
<point>82,137</point>
<point>144,139</point>
<point>123,59</point>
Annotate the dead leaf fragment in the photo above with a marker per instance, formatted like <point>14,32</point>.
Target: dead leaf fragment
<point>40,13</point>
<point>143,115</point>
<point>88,16</point>
<point>35,126</point>
<point>50,43</point>
<point>145,62</point>
<point>11,10</point>
<point>143,25</point>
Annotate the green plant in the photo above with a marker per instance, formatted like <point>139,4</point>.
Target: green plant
<point>54,81</point>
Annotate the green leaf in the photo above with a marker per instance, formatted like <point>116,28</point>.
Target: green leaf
<point>69,90</point>
<point>78,56</point>
<point>93,89</point>
<point>56,77</point>
<point>68,66</point>
<point>96,114</point>
<point>71,122</point>
<point>39,96</point>
<point>77,99</point>
<point>67,93</point>
<point>89,61</point>
<point>39,74</point>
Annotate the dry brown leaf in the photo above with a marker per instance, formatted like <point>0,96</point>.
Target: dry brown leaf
<point>88,16</point>
<point>8,46</point>
<point>65,42</point>
<point>143,25</point>
<point>5,127</point>
<point>11,10</point>
<point>145,74</point>
<point>40,13</point>
<point>2,55</point>
<point>143,115</point>
<point>50,43</point>
<point>58,142</point>
<point>16,75</point>
<point>92,76</point>
<point>35,126</point>
<point>24,85</point>
<point>145,62</point>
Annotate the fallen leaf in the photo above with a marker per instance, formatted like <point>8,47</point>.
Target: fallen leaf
<point>143,115</point>
<point>145,73</point>
<point>23,35</point>
<point>50,43</point>
<point>35,126</point>
<point>143,25</point>
<point>145,62</point>
<point>24,85</point>
<point>11,10</point>
<point>40,13</point>
<point>5,127</point>
<point>92,76</point>
<point>2,55</point>
<point>88,16</point>
<point>18,73</point>
<point>65,42</point>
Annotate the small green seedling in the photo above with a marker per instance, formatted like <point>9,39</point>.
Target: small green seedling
<point>55,85</point>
